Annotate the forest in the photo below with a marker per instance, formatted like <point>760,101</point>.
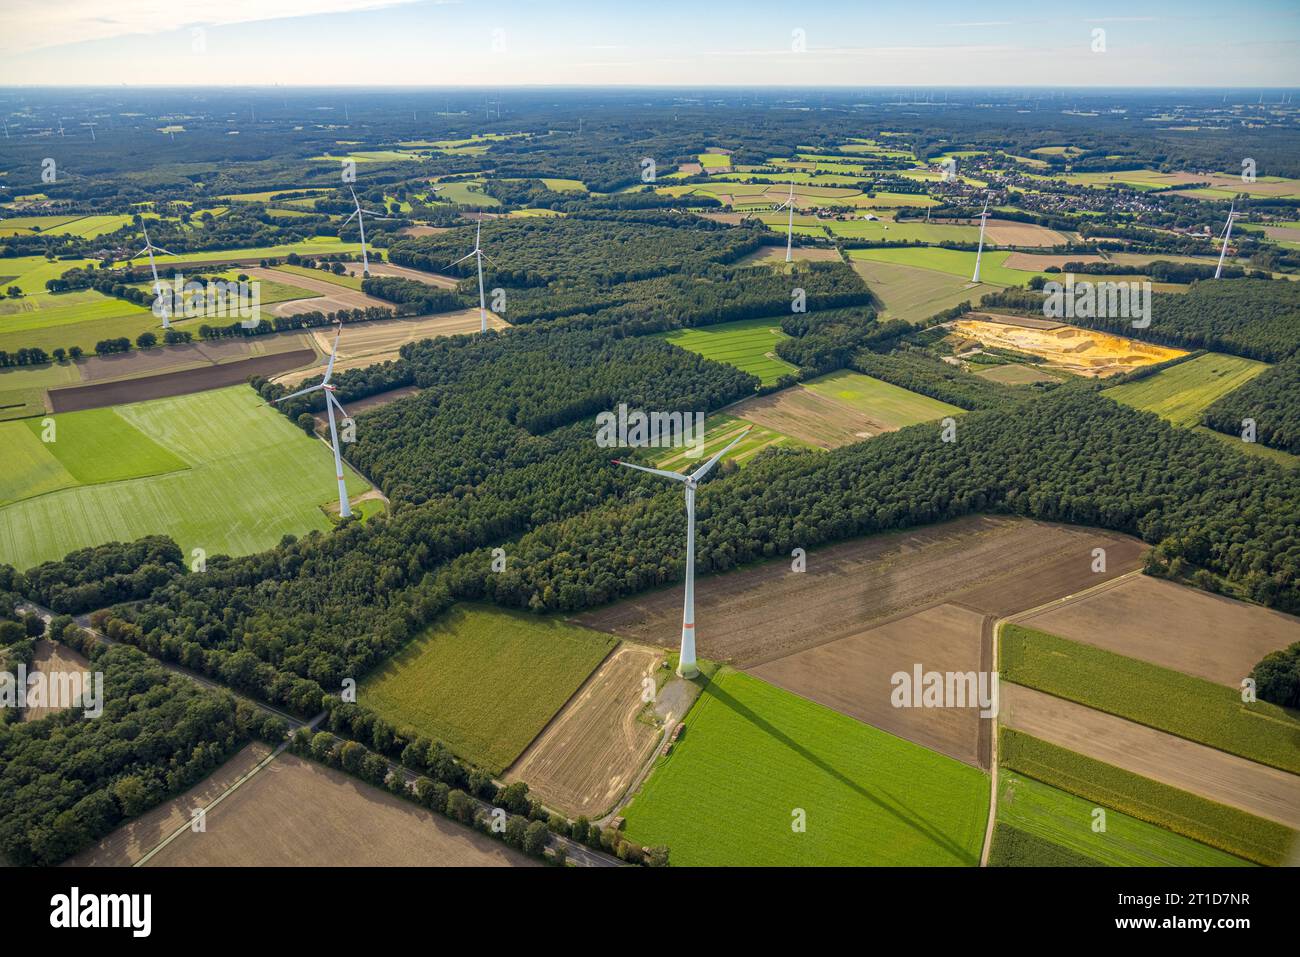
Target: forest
<point>66,781</point>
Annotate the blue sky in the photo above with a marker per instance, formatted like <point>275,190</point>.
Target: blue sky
<point>670,42</point>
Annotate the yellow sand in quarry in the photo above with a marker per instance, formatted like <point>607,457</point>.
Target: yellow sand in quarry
<point>1081,351</point>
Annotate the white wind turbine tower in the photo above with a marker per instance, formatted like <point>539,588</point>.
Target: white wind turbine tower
<point>479,255</point>
<point>789,227</point>
<point>359,215</point>
<point>984,218</point>
<point>331,403</point>
<point>1227,234</point>
<point>686,666</point>
<point>150,248</point>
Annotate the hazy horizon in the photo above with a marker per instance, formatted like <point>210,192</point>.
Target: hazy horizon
<point>761,44</point>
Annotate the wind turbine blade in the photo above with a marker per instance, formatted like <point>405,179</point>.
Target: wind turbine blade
<point>334,353</point>
<point>462,259</point>
<point>141,253</point>
<point>703,470</point>
<point>487,257</point>
<point>291,395</point>
<point>159,249</point>
<point>675,476</point>
<point>329,397</point>
<point>349,219</point>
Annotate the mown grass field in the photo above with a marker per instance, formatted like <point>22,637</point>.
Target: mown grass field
<point>751,754</point>
<point>87,227</point>
<point>252,478</point>
<point>1228,829</point>
<point>914,294</point>
<point>87,448</point>
<point>719,429</point>
<point>485,681</point>
<point>1061,819</point>
<point>954,262</point>
<point>749,345</point>
<point>910,230</point>
<point>1161,698</point>
<point>892,406</point>
<point>1182,392</point>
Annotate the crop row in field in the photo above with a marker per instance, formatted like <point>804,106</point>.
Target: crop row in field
<point>1161,698</point>
<point>1057,822</point>
<point>1231,830</point>
<point>484,681</point>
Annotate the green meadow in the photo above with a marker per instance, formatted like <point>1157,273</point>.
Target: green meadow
<point>215,470</point>
<point>891,405</point>
<point>749,345</point>
<point>1182,392</point>
<point>753,756</point>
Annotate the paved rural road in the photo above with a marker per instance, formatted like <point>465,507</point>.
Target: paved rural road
<point>83,622</point>
<point>580,854</point>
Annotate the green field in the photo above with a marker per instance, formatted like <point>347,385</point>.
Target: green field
<point>1054,817</point>
<point>324,275</point>
<point>252,478</point>
<point>749,345</point>
<point>86,227</point>
<point>1231,830</point>
<point>892,406</point>
<point>1171,701</point>
<point>720,429</point>
<point>484,681</point>
<point>1182,392</point>
<point>88,448</point>
<point>463,193</point>
<point>908,230</point>
<point>751,754</point>
<point>914,294</point>
<point>955,262</point>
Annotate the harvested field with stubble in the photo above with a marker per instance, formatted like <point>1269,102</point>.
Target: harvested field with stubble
<point>367,343</point>
<point>591,751</point>
<point>1180,628</point>
<point>1204,771</point>
<point>993,564</point>
<point>852,676</point>
<point>136,838</point>
<point>301,814</point>
<point>51,657</point>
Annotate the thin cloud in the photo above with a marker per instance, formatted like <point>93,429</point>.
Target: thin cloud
<point>38,25</point>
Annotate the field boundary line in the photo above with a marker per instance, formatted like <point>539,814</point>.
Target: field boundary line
<point>997,655</point>
<point>219,798</point>
<point>591,676</point>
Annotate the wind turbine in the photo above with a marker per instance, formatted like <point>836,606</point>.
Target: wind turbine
<point>686,666</point>
<point>789,229</point>
<point>479,255</point>
<point>984,218</point>
<point>359,215</point>
<point>1227,234</point>
<point>331,403</point>
<point>150,248</point>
